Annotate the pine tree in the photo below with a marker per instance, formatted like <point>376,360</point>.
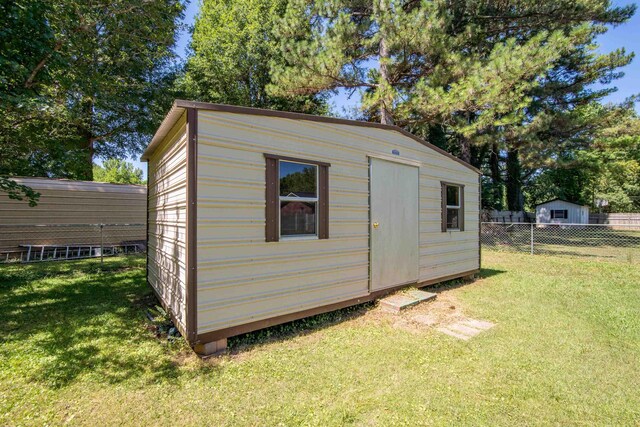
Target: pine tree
<point>475,77</point>
<point>455,70</point>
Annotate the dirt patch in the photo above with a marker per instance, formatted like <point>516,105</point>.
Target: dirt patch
<point>444,310</point>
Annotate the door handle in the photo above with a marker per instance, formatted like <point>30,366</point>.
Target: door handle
<point>376,225</point>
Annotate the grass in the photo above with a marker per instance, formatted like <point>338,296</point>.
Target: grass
<point>591,241</point>
<point>75,348</point>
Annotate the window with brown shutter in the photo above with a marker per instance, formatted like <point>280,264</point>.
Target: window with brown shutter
<point>452,207</point>
<point>297,198</point>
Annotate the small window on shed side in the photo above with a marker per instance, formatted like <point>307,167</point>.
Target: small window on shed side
<point>452,207</point>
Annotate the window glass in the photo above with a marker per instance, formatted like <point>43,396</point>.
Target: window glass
<point>559,214</point>
<point>453,195</point>
<point>298,180</point>
<point>452,207</point>
<point>452,218</point>
<point>297,218</point>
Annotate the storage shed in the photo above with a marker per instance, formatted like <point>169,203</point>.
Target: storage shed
<point>259,217</point>
<point>558,211</point>
<point>67,212</point>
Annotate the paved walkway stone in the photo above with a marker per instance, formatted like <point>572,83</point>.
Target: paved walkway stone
<point>478,324</point>
<point>398,302</point>
<point>424,319</point>
<point>453,333</point>
<point>466,328</point>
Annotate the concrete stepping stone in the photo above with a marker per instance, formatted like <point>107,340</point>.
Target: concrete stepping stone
<point>398,302</point>
<point>478,324</point>
<point>453,333</point>
<point>421,295</point>
<point>424,319</point>
<point>466,328</point>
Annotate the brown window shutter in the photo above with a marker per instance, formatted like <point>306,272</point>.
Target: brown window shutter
<point>272,233</point>
<point>443,206</point>
<point>461,211</point>
<point>323,202</point>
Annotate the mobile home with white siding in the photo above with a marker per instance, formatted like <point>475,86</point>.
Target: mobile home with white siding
<point>558,211</point>
<point>259,217</point>
<point>75,207</point>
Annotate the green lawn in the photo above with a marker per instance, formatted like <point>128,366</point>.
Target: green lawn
<point>75,348</point>
<point>592,241</point>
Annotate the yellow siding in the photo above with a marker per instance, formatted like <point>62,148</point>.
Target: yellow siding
<point>241,278</point>
<point>167,221</point>
<point>72,202</point>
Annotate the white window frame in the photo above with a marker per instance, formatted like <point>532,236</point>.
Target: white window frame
<point>564,216</point>
<point>298,199</point>
<point>448,206</point>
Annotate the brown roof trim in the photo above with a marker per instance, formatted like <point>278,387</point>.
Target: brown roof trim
<point>180,104</point>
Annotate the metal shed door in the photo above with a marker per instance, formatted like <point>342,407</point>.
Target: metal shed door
<point>394,223</point>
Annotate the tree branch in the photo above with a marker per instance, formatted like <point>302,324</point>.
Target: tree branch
<point>29,82</point>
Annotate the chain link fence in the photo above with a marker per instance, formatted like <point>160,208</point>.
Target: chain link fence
<point>55,242</point>
<point>621,242</point>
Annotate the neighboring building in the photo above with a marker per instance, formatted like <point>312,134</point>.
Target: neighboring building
<point>558,211</point>
<point>72,205</point>
<point>259,217</point>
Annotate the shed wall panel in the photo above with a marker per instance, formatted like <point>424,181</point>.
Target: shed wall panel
<point>167,221</point>
<point>242,278</point>
<point>72,202</point>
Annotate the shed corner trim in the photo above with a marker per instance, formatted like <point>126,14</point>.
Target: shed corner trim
<point>191,245</point>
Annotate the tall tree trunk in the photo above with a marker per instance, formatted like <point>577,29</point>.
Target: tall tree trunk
<point>465,149</point>
<point>496,177</point>
<point>465,143</point>
<point>385,114</point>
<point>90,155</point>
<point>478,155</point>
<point>515,201</point>
<point>88,143</point>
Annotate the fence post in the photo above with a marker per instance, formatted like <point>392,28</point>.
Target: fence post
<point>101,244</point>
<point>531,238</point>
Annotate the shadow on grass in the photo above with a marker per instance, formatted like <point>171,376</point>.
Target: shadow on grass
<point>458,283</point>
<point>301,327</point>
<point>66,320</point>
<point>20,275</point>
<point>556,250</point>
<point>316,323</point>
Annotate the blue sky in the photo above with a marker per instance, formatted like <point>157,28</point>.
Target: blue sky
<point>627,36</point>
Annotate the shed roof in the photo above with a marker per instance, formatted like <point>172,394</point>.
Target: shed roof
<point>45,183</point>
<point>179,107</point>
<point>559,199</point>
